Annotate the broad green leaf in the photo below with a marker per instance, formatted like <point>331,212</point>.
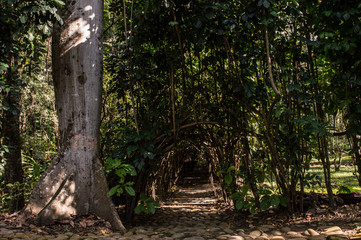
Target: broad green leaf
<point>59,3</point>
<point>239,204</point>
<point>120,172</point>
<point>151,208</point>
<point>236,195</point>
<point>130,190</point>
<point>131,149</point>
<point>253,210</point>
<point>113,190</point>
<point>265,204</point>
<point>228,179</point>
<point>140,208</point>
<point>23,19</point>
<point>275,201</point>
<point>143,197</point>
<point>346,16</point>
<point>149,155</point>
<point>247,206</point>
<point>132,170</point>
<point>245,189</point>
<point>231,168</point>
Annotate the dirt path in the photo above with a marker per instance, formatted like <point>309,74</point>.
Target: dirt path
<point>194,213</point>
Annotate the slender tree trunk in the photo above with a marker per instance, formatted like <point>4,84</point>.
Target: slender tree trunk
<point>13,174</point>
<point>355,144</point>
<point>74,183</point>
<point>322,140</point>
<point>249,162</point>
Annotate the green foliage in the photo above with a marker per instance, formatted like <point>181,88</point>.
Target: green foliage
<point>346,189</point>
<point>243,201</point>
<point>140,148</point>
<point>227,175</point>
<point>147,205</point>
<point>269,200</point>
<point>25,26</point>
<point>311,180</point>
<point>122,171</point>
<point>185,77</point>
<point>313,125</point>
<point>15,191</point>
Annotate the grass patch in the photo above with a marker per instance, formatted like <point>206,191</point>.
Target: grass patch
<point>344,177</point>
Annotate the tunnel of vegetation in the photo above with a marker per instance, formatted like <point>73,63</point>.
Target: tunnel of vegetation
<point>254,91</point>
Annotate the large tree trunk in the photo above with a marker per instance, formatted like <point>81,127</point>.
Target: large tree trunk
<point>74,183</point>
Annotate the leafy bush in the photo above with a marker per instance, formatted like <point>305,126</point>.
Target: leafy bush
<point>243,201</point>
<point>147,205</point>
<point>121,170</point>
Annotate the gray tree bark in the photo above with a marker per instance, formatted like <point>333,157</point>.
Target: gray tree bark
<point>74,183</point>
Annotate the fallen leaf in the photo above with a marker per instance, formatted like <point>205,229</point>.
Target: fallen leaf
<point>15,214</point>
<point>108,225</point>
<point>83,224</point>
<point>32,226</point>
<point>90,222</point>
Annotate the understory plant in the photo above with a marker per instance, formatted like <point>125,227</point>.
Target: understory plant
<point>147,205</point>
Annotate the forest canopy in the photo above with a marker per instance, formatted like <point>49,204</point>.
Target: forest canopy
<point>257,90</point>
